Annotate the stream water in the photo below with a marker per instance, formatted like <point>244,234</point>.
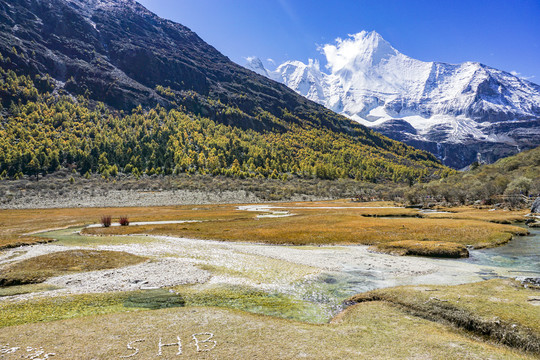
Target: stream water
<point>344,270</point>
<point>520,257</point>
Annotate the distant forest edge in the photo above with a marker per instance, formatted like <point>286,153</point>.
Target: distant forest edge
<point>511,180</point>
<point>44,128</point>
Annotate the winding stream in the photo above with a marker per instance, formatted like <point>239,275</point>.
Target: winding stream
<point>317,278</point>
<point>520,257</point>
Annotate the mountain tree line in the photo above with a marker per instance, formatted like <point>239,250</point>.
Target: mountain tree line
<point>43,129</point>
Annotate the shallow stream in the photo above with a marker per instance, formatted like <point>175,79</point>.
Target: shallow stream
<point>520,257</point>
<point>306,283</point>
<point>517,259</point>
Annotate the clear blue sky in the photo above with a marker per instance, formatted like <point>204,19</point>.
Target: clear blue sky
<point>504,34</point>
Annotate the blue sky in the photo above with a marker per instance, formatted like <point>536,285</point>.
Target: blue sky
<point>504,34</point>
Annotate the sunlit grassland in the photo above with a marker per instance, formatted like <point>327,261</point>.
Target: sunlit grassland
<point>18,226</point>
<point>37,269</point>
<point>312,223</point>
<point>372,330</point>
<point>485,214</point>
<point>384,324</point>
<point>228,296</point>
<point>336,226</point>
<point>503,310</point>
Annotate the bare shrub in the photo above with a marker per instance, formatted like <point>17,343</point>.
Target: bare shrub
<point>124,221</point>
<point>106,220</point>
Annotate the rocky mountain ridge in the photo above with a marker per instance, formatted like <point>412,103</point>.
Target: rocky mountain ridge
<point>105,86</point>
<point>461,113</point>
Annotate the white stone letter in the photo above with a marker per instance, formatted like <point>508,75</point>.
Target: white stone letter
<point>179,343</point>
<point>130,347</point>
<point>205,347</point>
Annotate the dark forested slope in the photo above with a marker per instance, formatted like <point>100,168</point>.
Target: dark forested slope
<point>80,78</point>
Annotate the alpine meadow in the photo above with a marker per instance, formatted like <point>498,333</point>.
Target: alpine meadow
<point>331,199</point>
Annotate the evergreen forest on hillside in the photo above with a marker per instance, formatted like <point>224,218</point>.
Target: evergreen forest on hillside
<point>43,129</point>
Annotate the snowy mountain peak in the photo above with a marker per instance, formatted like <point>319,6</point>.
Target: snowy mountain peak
<point>369,81</point>
<point>255,64</point>
<point>359,51</point>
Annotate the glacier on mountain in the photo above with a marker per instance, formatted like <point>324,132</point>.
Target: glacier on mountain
<point>442,105</point>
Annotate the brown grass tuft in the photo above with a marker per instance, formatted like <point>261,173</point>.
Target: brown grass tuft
<point>424,248</point>
<point>124,221</point>
<point>39,268</point>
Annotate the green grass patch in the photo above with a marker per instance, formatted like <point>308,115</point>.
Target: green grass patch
<point>75,306</point>
<point>72,237</point>
<point>252,300</point>
<point>233,297</point>
<point>57,308</point>
<point>25,289</point>
<point>153,299</point>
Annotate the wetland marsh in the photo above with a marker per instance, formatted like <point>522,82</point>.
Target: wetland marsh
<point>305,281</point>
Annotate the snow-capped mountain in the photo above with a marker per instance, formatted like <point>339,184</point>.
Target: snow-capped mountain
<point>434,106</point>
<point>255,64</point>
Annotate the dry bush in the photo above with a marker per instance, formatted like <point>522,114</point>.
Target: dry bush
<point>124,221</point>
<point>106,220</point>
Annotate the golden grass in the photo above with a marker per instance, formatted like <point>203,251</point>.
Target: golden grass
<point>317,227</point>
<point>367,331</point>
<point>338,203</point>
<point>369,209</point>
<point>354,224</point>
<point>500,309</point>
<point>8,242</point>
<point>37,269</point>
<point>485,214</point>
<point>17,226</point>
<point>424,248</point>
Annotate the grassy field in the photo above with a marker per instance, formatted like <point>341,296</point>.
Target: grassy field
<point>454,321</point>
<point>232,297</point>
<point>374,330</point>
<point>502,310</point>
<point>37,269</point>
<point>17,226</point>
<point>499,216</point>
<point>334,226</point>
<point>313,223</point>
